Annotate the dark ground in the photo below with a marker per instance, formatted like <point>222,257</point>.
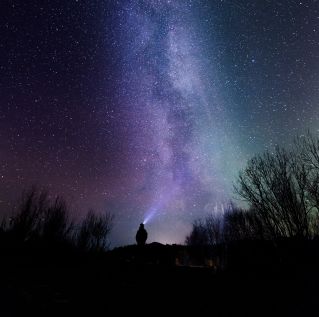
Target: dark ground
<point>104,285</point>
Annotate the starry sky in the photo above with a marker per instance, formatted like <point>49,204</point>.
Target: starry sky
<point>149,108</point>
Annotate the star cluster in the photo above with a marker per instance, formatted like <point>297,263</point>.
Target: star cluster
<point>149,108</point>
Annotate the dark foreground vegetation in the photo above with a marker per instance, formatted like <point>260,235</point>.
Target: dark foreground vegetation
<point>145,281</point>
<point>261,261</point>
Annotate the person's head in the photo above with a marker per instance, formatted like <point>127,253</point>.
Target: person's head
<point>142,225</point>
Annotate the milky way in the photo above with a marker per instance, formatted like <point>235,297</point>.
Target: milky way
<point>149,109</point>
<point>178,120</point>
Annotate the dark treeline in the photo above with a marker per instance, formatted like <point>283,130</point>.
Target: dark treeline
<point>42,222</point>
<point>281,221</point>
<point>281,189</point>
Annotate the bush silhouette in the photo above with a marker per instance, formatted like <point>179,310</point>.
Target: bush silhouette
<point>45,222</point>
<point>93,232</point>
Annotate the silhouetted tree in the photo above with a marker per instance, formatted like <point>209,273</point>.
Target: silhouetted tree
<point>94,231</point>
<point>275,186</point>
<point>198,235</point>
<point>44,221</point>
<point>213,224</point>
<point>26,223</point>
<point>234,224</point>
<point>307,169</point>
<point>240,224</point>
<point>207,231</point>
<point>56,227</point>
<point>39,219</point>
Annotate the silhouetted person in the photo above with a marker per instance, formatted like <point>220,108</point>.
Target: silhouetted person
<point>141,235</point>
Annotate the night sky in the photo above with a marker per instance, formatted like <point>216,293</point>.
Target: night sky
<point>149,108</point>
